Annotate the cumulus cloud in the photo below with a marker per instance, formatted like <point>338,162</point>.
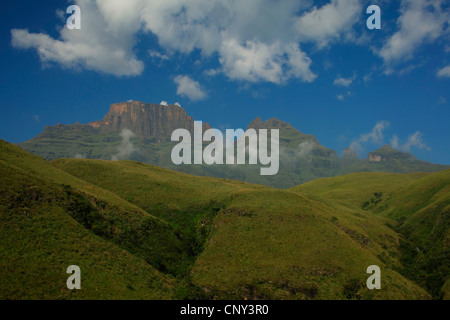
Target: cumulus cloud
<point>189,88</point>
<point>419,22</point>
<point>329,22</point>
<point>101,45</point>
<point>126,148</point>
<point>415,140</point>
<point>163,103</point>
<point>255,40</point>
<point>375,136</point>
<point>444,72</point>
<point>257,61</point>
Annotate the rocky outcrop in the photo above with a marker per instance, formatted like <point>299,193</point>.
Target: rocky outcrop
<point>146,120</point>
<point>373,157</point>
<point>387,153</point>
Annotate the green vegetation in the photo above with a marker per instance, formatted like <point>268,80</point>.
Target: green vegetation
<point>40,240</point>
<point>143,232</point>
<point>418,205</point>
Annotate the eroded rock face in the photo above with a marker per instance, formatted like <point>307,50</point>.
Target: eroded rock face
<point>372,157</point>
<point>146,120</point>
<point>387,153</point>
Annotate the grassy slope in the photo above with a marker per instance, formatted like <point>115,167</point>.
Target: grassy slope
<point>110,216</point>
<point>418,206</point>
<point>249,241</point>
<point>188,203</point>
<point>40,239</point>
<point>263,243</point>
<point>282,245</point>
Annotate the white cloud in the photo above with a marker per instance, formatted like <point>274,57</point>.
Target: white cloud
<point>211,72</point>
<point>444,72</point>
<point>340,97</point>
<point>126,148</point>
<point>343,82</point>
<point>256,61</point>
<point>177,104</point>
<point>375,136</point>
<point>255,40</point>
<point>414,140</point>
<point>420,22</point>
<point>395,142</point>
<point>101,45</point>
<point>163,103</point>
<point>329,22</point>
<point>304,149</point>
<point>189,88</point>
<point>157,55</point>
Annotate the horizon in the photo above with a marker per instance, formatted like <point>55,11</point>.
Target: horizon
<point>343,83</point>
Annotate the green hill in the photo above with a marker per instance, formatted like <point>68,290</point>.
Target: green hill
<point>418,204</point>
<point>41,238</point>
<point>140,231</point>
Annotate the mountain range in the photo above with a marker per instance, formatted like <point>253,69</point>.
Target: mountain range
<point>141,132</point>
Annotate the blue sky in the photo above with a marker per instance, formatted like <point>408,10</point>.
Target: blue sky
<point>314,64</point>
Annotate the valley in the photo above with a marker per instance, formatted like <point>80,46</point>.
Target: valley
<point>145,232</point>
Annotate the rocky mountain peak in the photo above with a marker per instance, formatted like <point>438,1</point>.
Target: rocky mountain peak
<point>272,123</point>
<point>386,153</point>
<point>145,120</point>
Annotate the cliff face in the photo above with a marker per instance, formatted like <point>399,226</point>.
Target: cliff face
<point>145,120</point>
<point>387,153</point>
<point>373,157</point>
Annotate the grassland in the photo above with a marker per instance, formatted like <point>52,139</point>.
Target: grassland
<point>140,231</point>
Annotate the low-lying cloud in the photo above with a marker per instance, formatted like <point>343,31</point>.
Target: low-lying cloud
<point>415,140</point>
<point>376,136</point>
<point>126,148</point>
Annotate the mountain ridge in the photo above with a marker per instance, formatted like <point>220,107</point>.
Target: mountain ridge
<point>302,157</point>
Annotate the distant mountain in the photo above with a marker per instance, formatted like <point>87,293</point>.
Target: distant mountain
<point>149,121</point>
<point>386,153</point>
<point>302,157</point>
